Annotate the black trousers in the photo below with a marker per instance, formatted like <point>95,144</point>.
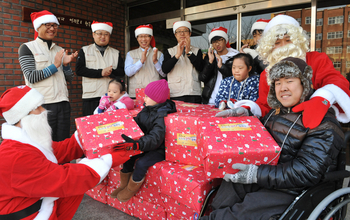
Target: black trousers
<point>59,119</point>
<point>143,162</point>
<point>89,106</point>
<point>189,98</point>
<point>235,201</point>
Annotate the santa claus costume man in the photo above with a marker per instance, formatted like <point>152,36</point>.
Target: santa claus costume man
<point>34,184</point>
<point>283,37</point>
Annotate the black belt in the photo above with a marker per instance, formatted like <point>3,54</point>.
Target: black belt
<point>24,212</point>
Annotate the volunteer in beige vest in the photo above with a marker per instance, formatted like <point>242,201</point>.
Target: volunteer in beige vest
<point>46,67</point>
<point>182,64</point>
<point>144,64</point>
<point>98,63</point>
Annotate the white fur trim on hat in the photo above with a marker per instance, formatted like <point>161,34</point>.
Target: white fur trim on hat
<point>143,30</point>
<point>281,19</point>
<point>101,26</point>
<point>218,33</point>
<point>259,25</point>
<point>43,20</point>
<point>30,101</point>
<point>182,24</point>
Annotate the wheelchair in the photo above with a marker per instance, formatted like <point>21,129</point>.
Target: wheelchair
<point>327,200</point>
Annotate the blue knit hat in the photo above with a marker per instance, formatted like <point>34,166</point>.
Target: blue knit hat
<point>158,90</point>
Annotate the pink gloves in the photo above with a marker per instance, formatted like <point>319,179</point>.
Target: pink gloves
<point>104,103</point>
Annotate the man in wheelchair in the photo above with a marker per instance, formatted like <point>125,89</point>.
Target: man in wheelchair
<point>259,192</point>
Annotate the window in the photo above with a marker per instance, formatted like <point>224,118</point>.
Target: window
<point>347,64</point>
<point>349,19</point>
<point>308,34</point>
<point>348,49</point>
<point>336,20</point>
<point>308,20</point>
<point>337,64</point>
<point>319,22</point>
<point>318,50</point>
<point>319,36</point>
<point>334,35</point>
<point>299,20</point>
<point>348,33</point>
<point>334,50</point>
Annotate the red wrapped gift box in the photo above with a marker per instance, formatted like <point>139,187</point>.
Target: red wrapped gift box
<point>225,141</point>
<point>99,133</point>
<point>122,206</point>
<point>99,192</point>
<point>145,210</point>
<point>176,210</point>
<point>181,137</point>
<point>140,94</point>
<point>185,183</point>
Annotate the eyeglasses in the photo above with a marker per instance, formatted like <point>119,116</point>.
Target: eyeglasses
<point>49,25</point>
<point>182,32</point>
<point>101,34</point>
<point>144,36</point>
<point>218,41</point>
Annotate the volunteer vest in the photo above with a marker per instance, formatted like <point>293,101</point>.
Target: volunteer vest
<point>97,87</point>
<point>183,78</point>
<point>53,88</point>
<point>148,73</point>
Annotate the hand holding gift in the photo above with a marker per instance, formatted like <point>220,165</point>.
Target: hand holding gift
<point>236,112</point>
<point>130,144</point>
<point>247,174</point>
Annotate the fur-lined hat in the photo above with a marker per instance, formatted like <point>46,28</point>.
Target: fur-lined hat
<point>289,67</point>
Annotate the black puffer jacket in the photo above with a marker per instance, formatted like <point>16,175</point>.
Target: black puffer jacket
<point>209,75</point>
<point>306,155</point>
<point>151,122</point>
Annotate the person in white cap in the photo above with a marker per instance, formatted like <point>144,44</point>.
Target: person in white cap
<point>144,64</point>
<point>256,31</point>
<point>283,37</point>
<point>46,67</point>
<point>214,69</point>
<point>98,63</point>
<point>182,64</point>
<point>37,180</point>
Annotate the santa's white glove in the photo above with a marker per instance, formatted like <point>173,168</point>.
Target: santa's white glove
<point>251,52</point>
<point>247,175</point>
<point>236,112</point>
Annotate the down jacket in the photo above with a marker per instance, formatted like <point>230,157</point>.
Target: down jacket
<point>151,121</point>
<point>306,155</point>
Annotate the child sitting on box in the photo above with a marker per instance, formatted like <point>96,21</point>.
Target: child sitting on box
<point>243,84</point>
<point>116,98</point>
<point>151,122</point>
<point>261,192</point>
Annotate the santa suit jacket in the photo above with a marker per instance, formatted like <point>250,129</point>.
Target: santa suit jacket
<point>327,81</point>
<point>29,172</point>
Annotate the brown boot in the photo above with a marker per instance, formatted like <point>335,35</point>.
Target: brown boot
<point>124,180</point>
<point>130,190</point>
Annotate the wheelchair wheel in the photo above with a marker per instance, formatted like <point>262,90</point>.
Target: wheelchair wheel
<point>333,207</point>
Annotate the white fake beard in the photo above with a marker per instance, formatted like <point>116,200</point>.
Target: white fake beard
<point>38,129</point>
<point>289,50</point>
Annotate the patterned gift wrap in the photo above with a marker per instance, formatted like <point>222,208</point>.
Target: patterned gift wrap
<point>176,210</point>
<point>225,141</point>
<point>99,133</point>
<point>138,104</point>
<point>135,111</point>
<point>140,94</point>
<point>125,207</point>
<point>99,192</point>
<point>145,210</point>
<point>181,137</point>
<point>186,184</point>
<point>191,107</point>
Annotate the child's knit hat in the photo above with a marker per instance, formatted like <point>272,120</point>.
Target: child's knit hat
<point>158,90</point>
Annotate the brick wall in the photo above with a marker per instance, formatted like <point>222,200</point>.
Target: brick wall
<point>14,32</point>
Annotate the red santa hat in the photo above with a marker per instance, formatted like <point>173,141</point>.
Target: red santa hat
<point>281,19</point>
<point>17,102</point>
<point>42,17</point>
<point>219,32</point>
<point>178,24</point>
<point>259,25</point>
<point>105,26</point>
<point>146,29</point>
